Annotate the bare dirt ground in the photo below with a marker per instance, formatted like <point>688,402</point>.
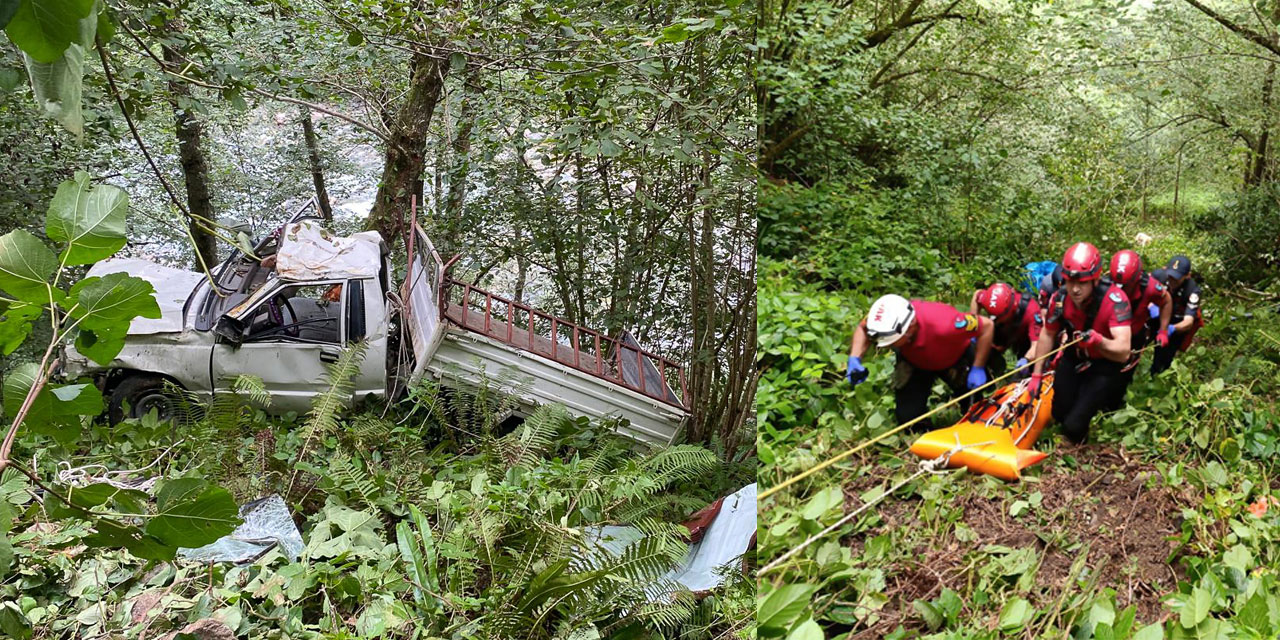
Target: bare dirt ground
<point>1111,506</point>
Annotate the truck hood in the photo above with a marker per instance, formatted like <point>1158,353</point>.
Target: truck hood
<point>173,286</point>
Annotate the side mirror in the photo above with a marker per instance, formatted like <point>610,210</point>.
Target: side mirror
<point>230,329</point>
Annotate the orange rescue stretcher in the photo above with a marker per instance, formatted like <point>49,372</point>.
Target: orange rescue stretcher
<point>996,434</point>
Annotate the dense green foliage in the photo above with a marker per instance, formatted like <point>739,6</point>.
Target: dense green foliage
<point>589,159</point>
<point>928,148</point>
<point>478,535</point>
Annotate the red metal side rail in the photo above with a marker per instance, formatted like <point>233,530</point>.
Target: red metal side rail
<point>592,361</point>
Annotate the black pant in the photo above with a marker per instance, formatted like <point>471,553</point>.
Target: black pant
<point>1125,378</point>
<point>1163,357</point>
<point>1079,395</point>
<point>913,386</point>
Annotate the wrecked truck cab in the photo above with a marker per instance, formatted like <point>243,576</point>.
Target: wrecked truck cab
<point>290,311</point>
<point>282,318</point>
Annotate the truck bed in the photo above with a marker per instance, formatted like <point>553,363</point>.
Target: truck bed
<point>463,333</point>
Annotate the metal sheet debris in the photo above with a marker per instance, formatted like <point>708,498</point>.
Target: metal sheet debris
<point>267,524</point>
<point>703,567</point>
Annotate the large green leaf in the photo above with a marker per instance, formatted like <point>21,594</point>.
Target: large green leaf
<point>105,306</point>
<point>43,29</point>
<point>139,543</point>
<point>112,301</point>
<point>88,219</point>
<point>101,345</point>
<point>195,522</point>
<point>56,410</point>
<point>57,84</point>
<point>26,266</point>
<point>782,607</point>
<point>15,324</point>
<point>6,556</point>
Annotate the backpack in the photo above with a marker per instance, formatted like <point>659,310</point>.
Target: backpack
<point>1034,273</point>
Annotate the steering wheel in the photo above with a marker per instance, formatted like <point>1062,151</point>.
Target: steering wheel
<point>289,326</point>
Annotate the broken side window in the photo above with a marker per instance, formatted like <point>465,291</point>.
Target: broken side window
<point>303,313</point>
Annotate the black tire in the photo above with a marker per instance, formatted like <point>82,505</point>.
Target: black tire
<point>141,394</point>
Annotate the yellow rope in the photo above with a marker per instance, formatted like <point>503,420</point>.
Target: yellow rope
<point>772,490</point>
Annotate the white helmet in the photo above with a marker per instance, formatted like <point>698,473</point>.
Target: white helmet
<point>889,319</point>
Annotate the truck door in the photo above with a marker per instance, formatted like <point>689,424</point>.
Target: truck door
<point>291,335</point>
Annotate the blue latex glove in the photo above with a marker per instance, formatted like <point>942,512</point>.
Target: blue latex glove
<point>1153,310</point>
<point>856,373</point>
<point>1172,330</point>
<point>977,377</point>
<point>1021,370</point>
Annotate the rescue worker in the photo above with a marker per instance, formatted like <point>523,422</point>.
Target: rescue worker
<point>1145,293</point>
<point>1185,317</point>
<point>1016,323</point>
<point>930,340</point>
<point>1090,309</point>
<point>1048,285</point>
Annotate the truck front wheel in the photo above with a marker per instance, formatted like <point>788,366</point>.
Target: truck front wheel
<point>136,396</point>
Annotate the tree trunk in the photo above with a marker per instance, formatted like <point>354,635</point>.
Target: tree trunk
<point>195,170</point>
<point>313,158</point>
<point>404,160</point>
<point>1260,170</point>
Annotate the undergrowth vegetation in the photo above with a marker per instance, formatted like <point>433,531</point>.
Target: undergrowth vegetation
<point>1164,526</point>
<point>427,519</point>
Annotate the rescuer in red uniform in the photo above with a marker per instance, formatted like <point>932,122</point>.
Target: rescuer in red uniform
<point>1090,309</point>
<point>930,340</point>
<point>1151,306</point>
<point>1016,317</point>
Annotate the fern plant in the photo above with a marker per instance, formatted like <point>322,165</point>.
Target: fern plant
<point>328,405</point>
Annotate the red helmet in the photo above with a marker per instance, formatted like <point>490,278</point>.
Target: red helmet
<point>1126,269</point>
<point>997,299</point>
<point>1082,263</point>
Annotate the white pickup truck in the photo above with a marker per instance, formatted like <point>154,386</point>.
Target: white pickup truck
<point>308,294</point>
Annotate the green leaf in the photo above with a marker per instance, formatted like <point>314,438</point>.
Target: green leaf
<point>1150,632</point>
<point>7,9</point>
<point>678,32</point>
<point>102,345</point>
<point>9,79</point>
<point>88,219</point>
<point>116,536</point>
<point>57,83</point>
<point>15,324</point>
<point>932,617</point>
<point>56,409</point>
<point>6,557</point>
<point>781,608</point>
<point>13,623</point>
<point>807,630</point>
<point>112,301</point>
<point>43,29</point>
<point>178,490</point>
<point>1255,613</point>
<point>26,267</point>
<point>824,501</point>
<point>195,522</point>
<point>1196,609</point>
<point>1015,614</point>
